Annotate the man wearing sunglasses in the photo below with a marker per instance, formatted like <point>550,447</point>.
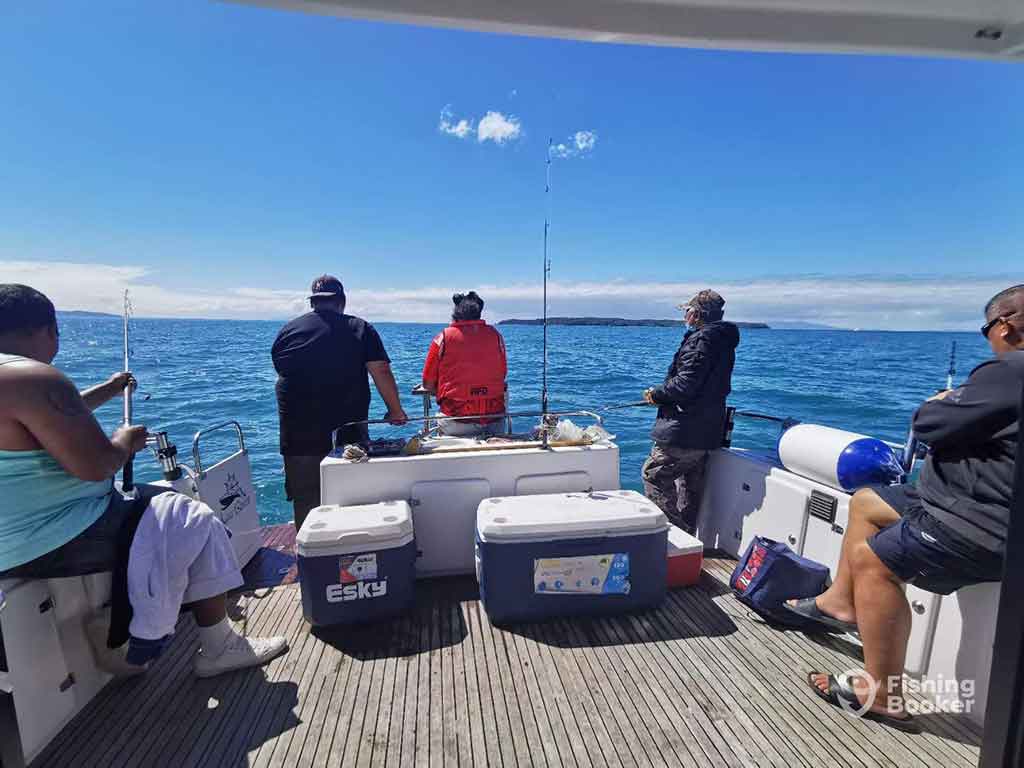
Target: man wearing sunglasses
<point>945,532</point>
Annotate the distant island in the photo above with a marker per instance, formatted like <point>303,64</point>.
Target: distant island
<point>614,321</point>
<point>84,313</point>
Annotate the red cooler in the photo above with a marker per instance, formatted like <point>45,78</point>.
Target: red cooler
<point>685,558</point>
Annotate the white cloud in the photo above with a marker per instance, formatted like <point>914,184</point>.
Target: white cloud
<point>499,128</point>
<point>872,301</point>
<point>585,141</point>
<point>460,128</point>
<point>100,288</point>
<point>493,126</point>
<point>579,144</point>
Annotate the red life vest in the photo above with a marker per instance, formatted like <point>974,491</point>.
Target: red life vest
<point>467,363</point>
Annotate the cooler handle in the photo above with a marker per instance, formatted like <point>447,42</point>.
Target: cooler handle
<point>353,535</point>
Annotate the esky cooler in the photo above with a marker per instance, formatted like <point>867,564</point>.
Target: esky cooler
<point>356,563</point>
<point>570,554</point>
<point>685,558</point>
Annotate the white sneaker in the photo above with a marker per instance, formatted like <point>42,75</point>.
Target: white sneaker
<point>240,652</point>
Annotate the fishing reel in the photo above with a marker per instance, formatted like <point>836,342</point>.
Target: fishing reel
<point>548,425</point>
<point>166,453</point>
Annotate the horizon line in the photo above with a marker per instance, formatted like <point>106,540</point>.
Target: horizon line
<point>111,316</point>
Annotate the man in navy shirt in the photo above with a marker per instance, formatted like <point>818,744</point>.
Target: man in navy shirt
<point>944,532</point>
<point>322,359</point>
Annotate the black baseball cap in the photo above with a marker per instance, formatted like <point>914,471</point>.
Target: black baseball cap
<point>327,287</point>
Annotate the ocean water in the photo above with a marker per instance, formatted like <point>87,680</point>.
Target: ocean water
<point>198,373</point>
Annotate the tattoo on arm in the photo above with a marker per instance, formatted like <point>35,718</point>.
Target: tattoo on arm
<point>66,401</point>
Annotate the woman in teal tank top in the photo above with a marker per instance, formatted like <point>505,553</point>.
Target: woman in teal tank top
<point>44,507</point>
<point>59,515</point>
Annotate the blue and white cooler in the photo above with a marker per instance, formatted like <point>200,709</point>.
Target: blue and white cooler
<point>357,563</point>
<point>569,554</point>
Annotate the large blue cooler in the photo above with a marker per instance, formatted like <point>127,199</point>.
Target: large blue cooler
<point>569,554</point>
<point>357,563</point>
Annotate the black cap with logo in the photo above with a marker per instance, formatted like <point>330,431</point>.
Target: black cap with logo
<point>327,287</point>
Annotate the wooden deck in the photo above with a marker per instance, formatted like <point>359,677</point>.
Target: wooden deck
<point>701,681</point>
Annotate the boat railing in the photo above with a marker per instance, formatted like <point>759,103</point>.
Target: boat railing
<point>197,460</point>
<point>427,395</point>
<point>508,417</point>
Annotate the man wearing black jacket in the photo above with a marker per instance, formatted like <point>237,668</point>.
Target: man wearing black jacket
<point>945,533</point>
<point>691,410</point>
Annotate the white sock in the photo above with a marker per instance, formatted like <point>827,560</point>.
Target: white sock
<point>213,639</point>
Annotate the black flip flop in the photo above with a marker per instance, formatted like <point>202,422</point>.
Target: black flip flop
<point>807,608</point>
<point>838,693</point>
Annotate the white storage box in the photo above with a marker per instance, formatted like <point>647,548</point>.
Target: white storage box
<point>445,489</point>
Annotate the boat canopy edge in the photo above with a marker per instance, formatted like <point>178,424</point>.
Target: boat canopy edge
<point>992,29</point>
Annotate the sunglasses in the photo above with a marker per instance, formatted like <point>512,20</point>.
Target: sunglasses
<point>991,323</point>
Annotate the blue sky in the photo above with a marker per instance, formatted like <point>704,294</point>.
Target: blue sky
<point>214,157</point>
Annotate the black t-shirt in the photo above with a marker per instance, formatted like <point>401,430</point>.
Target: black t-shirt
<point>320,359</point>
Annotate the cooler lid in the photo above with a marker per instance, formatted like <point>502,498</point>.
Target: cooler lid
<point>333,528</point>
<point>682,543</point>
<point>558,516</point>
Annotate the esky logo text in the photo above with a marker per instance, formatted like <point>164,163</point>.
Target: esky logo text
<point>363,590</point>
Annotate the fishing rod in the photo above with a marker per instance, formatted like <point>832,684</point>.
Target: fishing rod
<point>912,449</point>
<point>766,417</point>
<point>547,270</point>
<point>128,472</point>
<point>952,366</point>
<point>637,404</point>
<point>745,414</point>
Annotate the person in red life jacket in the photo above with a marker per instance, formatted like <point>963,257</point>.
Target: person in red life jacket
<point>466,368</point>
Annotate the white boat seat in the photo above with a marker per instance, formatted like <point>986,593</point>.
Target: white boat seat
<point>49,667</point>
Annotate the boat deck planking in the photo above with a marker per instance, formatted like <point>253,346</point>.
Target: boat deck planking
<point>700,681</point>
